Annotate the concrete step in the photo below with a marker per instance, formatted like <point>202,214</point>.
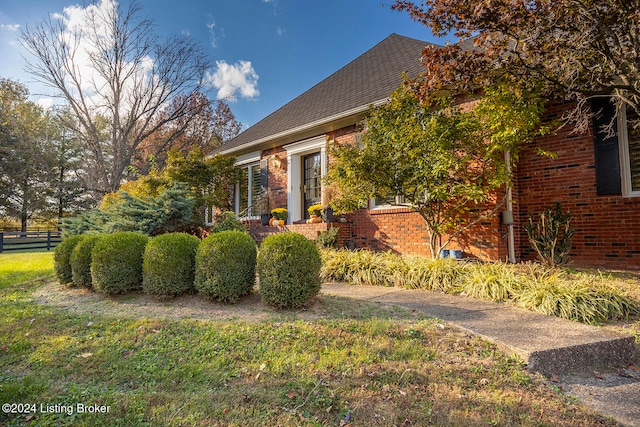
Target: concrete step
<point>548,344</point>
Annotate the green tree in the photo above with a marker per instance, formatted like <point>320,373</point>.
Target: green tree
<point>23,180</point>
<point>63,160</point>
<point>448,164</point>
<point>207,177</point>
<point>172,210</point>
<point>572,49</point>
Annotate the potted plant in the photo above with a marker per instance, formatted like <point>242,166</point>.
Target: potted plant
<point>265,216</point>
<point>314,212</point>
<point>327,195</point>
<point>280,215</point>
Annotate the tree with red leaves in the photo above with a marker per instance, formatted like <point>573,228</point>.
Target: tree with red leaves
<point>571,49</point>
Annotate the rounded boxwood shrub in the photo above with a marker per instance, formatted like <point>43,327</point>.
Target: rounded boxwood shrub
<point>226,265</point>
<point>168,265</point>
<point>61,256</point>
<point>116,262</point>
<point>80,261</point>
<point>288,270</point>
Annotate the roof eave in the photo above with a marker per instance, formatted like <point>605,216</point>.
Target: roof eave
<point>324,125</point>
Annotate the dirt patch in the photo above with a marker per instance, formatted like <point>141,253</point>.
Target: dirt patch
<point>249,308</point>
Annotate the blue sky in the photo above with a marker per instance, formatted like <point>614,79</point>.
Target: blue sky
<point>266,51</point>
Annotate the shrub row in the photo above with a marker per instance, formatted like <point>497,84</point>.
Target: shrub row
<point>222,267</point>
<point>584,298</point>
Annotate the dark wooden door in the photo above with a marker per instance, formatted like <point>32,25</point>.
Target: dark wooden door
<point>312,185</point>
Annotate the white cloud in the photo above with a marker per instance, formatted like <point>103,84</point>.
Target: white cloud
<point>10,27</point>
<point>280,31</point>
<point>233,80</point>
<point>211,25</point>
<point>46,102</point>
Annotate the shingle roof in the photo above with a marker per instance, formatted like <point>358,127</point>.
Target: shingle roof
<point>369,78</point>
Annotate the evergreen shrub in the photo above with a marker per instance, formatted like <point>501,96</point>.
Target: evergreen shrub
<point>288,270</point>
<point>227,221</point>
<point>116,264</point>
<point>168,265</point>
<point>226,265</point>
<point>81,261</point>
<point>61,258</point>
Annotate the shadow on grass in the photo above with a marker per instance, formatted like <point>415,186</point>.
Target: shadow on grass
<point>249,308</point>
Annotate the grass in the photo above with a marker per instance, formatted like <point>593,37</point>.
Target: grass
<point>21,267</point>
<point>379,368</point>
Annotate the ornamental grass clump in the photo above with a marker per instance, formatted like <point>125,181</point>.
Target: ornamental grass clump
<point>80,261</point>
<point>116,262</point>
<point>441,275</point>
<point>581,297</point>
<point>288,270</point>
<point>61,259</point>
<point>225,266</point>
<point>491,281</point>
<point>363,267</point>
<point>168,265</point>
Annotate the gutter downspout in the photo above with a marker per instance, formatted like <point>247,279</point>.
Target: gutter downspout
<point>510,233</point>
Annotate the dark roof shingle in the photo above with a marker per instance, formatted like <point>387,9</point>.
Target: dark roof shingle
<point>369,78</point>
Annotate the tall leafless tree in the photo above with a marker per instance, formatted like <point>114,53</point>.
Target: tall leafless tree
<point>118,78</point>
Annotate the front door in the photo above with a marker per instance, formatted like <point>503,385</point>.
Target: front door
<point>312,186</point>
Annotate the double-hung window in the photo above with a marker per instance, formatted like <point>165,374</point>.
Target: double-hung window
<point>248,187</point>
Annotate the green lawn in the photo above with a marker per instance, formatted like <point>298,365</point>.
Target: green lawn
<point>24,266</point>
<point>368,367</point>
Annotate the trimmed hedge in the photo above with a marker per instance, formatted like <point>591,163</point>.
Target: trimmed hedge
<point>226,265</point>
<point>80,261</point>
<point>61,258</point>
<point>116,264</point>
<point>288,270</point>
<point>168,265</point>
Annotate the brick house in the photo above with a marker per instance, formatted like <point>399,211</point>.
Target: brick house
<point>595,177</point>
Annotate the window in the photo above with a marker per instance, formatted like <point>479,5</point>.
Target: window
<point>629,143</point>
<point>248,191</point>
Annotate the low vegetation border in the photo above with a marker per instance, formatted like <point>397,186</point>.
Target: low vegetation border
<point>586,297</point>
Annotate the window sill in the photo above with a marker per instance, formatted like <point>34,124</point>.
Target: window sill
<point>389,209</point>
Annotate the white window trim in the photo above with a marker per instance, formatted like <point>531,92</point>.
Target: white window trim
<point>248,163</point>
<point>252,157</point>
<point>295,152</point>
<point>623,149</point>
<point>373,206</point>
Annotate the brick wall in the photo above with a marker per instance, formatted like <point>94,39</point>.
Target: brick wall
<point>607,227</point>
<point>277,177</point>
<point>402,231</point>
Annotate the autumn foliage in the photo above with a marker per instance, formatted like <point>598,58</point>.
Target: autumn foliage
<point>570,49</point>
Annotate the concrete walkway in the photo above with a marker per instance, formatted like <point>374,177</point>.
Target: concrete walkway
<point>582,359</point>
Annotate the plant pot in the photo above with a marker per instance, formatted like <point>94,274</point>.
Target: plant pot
<point>314,220</point>
<point>328,215</point>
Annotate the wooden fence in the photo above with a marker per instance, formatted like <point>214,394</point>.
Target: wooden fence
<point>17,240</point>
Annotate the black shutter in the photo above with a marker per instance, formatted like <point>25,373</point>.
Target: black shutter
<point>606,148</point>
